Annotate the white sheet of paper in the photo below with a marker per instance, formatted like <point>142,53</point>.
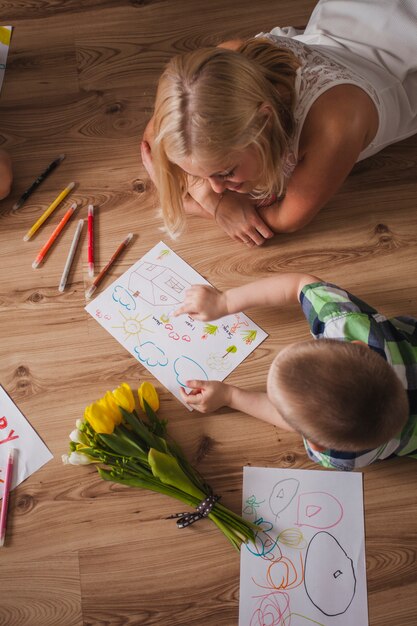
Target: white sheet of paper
<point>137,310</point>
<point>308,566</point>
<point>5,35</point>
<point>16,432</point>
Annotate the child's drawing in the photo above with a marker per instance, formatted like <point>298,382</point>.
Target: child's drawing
<point>209,329</point>
<point>282,495</point>
<point>16,432</point>
<point>318,510</point>
<point>188,369</point>
<point>149,354</point>
<point>132,326</point>
<point>296,574</point>
<point>120,294</point>
<point>158,285</point>
<point>335,572</point>
<point>138,310</point>
<point>222,362</point>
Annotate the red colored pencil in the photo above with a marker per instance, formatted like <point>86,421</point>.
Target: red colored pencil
<point>6,492</point>
<point>108,265</point>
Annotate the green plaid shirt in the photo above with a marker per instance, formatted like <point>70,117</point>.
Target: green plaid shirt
<point>333,313</point>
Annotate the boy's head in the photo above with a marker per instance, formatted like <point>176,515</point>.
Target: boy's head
<point>337,394</point>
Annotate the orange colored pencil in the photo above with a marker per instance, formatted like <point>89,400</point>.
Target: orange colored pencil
<point>44,250</point>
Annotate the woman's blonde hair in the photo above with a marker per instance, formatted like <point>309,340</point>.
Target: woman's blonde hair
<point>337,394</point>
<point>213,102</point>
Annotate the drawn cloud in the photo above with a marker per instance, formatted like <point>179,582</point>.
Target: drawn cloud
<point>188,369</point>
<point>150,354</point>
<point>122,296</point>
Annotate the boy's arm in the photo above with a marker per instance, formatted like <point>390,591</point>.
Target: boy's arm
<point>207,303</point>
<point>208,396</point>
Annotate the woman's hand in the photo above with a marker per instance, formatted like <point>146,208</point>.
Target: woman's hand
<point>203,303</point>
<point>206,395</point>
<point>237,216</point>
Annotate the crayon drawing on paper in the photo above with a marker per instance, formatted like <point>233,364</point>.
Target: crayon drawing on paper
<point>307,567</point>
<point>137,309</point>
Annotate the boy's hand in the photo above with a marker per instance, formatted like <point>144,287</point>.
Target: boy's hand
<point>206,395</point>
<point>203,303</point>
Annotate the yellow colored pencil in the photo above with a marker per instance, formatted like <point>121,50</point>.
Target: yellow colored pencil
<point>48,211</point>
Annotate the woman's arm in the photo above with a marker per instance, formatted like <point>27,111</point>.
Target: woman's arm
<point>340,124</point>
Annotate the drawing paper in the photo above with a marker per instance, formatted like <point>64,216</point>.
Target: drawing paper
<point>5,36</point>
<point>16,432</point>
<point>137,311</point>
<point>308,565</point>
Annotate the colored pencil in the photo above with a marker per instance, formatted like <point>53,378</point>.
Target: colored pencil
<point>6,492</point>
<point>48,211</point>
<point>47,246</point>
<point>90,247</point>
<point>38,181</point>
<point>109,263</point>
<point>71,255</point>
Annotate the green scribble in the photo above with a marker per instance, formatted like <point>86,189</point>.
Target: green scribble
<point>248,336</point>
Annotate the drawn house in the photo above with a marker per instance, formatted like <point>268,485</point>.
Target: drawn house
<point>156,284</point>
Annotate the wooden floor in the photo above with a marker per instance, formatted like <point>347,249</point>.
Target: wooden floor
<point>81,79</point>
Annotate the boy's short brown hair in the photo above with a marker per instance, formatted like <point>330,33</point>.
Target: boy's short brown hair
<point>338,394</point>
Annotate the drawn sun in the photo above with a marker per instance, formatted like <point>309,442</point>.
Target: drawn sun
<point>133,326</point>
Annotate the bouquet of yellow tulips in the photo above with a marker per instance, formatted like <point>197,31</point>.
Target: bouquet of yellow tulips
<point>134,451</point>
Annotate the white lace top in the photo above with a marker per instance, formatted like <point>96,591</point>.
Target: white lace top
<point>316,74</point>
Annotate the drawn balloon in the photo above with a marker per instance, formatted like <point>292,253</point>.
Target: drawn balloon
<point>188,369</point>
<point>329,577</point>
<point>282,495</point>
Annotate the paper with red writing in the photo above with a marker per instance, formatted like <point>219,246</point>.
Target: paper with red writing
<point>16,432</point>
<point>137,309</point>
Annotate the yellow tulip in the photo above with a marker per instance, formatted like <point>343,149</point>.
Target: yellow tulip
<point>104,414</point>
<point>109,404</point>
<point>100,421</point>
<point>123,397</point>
<point>148,392</point>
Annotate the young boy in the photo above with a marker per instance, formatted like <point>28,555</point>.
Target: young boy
<point>352,395</point>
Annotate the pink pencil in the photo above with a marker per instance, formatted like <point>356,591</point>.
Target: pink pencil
<point>90,237</point>
<point>6,492</point>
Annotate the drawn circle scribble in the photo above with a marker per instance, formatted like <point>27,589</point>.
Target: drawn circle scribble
<point>271,610</point>
<point>327,562</point>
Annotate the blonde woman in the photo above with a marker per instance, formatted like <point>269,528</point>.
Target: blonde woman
<point>259,135</point>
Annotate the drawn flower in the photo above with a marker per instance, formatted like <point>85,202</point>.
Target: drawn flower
<point>148,393</point>
<point>137,452</point>
<point>248,336</point>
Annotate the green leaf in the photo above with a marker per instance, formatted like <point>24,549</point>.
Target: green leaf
<point>121,444</point>
<point>147,438</point>
<point>168,470</point>
<point>157,426</point>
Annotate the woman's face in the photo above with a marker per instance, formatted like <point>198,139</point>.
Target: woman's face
<point>238,172</point>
